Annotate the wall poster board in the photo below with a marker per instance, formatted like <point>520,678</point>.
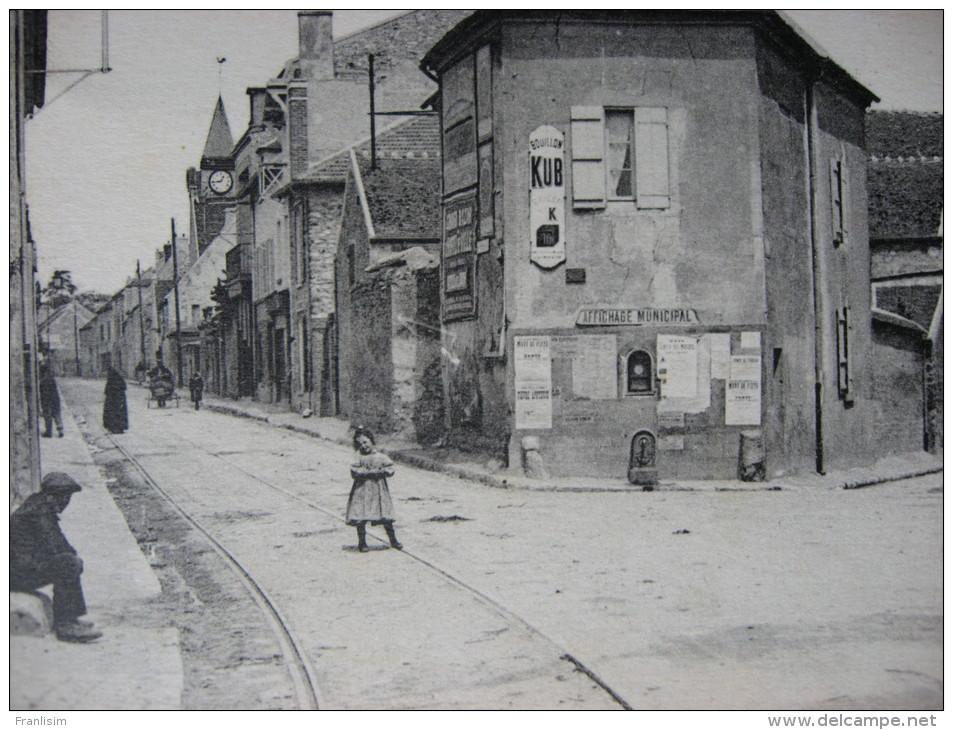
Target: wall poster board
<point>532,364</point>
<point>459,127</point>
<point>677,366</point>
<point>720,343</point>
<point>459,256</point>
<point>743,391</point>
<point>594,371</point>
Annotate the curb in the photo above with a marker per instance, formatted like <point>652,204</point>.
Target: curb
<point>516,482</point>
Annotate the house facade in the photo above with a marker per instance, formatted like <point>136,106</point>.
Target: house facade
<point>327,93</point>
<point>388,302</point>
<point>59,338</point>
<point>655,258</point>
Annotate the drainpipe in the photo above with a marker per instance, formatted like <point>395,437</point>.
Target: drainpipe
<point>818,278</point>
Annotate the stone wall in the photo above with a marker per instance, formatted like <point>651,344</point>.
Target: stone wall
<point>898,389</point>
<point>934,395</point>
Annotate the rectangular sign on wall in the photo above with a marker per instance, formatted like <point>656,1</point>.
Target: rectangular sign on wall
<point>743,391</point>
<point>459,253</point>
<point>533,382</point>
<point>678,366</point>
<point>547,197</point>
<point>594,370</point>
<point>720,343</point>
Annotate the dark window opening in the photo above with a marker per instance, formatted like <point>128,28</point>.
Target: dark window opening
<point>639,373</point>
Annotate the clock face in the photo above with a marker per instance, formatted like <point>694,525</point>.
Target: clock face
<point>220,182</point>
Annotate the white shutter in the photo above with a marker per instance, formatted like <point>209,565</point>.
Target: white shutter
<point>651,158</point>
<point>588,153</point>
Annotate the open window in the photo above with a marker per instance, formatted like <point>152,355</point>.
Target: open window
<point>620,154</point>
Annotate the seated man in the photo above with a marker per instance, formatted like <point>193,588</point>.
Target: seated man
<point>40,555</point>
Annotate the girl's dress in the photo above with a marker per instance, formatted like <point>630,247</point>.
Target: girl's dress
<point>370,497</point>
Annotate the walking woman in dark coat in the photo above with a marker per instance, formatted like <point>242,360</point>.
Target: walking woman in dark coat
<point>115,417</point>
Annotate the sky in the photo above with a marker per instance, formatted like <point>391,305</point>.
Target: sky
<point>106,160</point>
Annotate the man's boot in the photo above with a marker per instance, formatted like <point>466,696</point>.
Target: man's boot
<point>76,632</point>
<point>389,528</point>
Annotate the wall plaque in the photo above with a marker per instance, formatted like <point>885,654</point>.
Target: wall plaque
<point>623,316</point>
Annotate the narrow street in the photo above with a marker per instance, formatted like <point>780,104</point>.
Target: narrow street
<point>674,600</point>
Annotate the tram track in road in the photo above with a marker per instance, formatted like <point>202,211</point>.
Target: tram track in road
<point>302,674</point>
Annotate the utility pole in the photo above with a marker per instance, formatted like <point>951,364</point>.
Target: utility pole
<point>373,115</point>
<point>178,321</point>
<point>142,325</point>
<point>76,339</point>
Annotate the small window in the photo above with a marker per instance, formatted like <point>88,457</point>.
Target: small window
<point>639,379</point>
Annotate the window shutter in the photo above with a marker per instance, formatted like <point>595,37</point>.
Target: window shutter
<point>651,158</point>
<point>843,354</point>
<point>837,202</point>
<point>588,163</point>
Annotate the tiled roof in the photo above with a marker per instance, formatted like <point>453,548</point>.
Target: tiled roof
<point>905,174</point>
<point>904,200</point>
<point>219,142</point>
<point>419,137</point>
<point>408,36</point>
<point>904,134</point>
<point>403,196</point>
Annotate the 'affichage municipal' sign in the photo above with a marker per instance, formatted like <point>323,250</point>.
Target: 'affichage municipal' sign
<point>547,197</point>
<point>627,317</point>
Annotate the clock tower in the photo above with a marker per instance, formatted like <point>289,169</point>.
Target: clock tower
<point>212,187</point>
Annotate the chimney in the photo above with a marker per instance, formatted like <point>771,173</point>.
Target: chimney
<point>316,44</point>
<point>256,99</point>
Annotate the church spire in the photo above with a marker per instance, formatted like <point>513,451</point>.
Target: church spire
<point>219,144</point>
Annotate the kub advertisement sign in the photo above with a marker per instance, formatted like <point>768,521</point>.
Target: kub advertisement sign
<point>547,197</point>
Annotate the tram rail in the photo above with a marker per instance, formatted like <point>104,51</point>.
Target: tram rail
<point>302,674</point>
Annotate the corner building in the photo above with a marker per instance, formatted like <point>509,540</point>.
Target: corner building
<point>655,257</point>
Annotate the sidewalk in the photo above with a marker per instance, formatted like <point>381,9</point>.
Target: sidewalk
<point>467,466</point>
<point>136,665</point>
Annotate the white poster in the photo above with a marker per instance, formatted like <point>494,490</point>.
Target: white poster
<point>720,343</point>
<point>547,197</point>
<point>678,366</point>
<point>751,341</point>
<point>743,391</point>
<point>594,367</point>
<point>533,376</point>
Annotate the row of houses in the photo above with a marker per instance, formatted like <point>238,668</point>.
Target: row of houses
<point>605,243</point>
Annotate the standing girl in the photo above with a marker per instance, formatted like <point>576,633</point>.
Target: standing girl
<point>370,497</point>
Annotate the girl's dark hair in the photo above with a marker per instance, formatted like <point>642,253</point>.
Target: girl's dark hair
<point>361,431</point>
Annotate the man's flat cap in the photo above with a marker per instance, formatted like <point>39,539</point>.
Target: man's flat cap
<point>58,482</point>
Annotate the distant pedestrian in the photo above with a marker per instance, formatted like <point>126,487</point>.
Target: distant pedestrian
<point>50,402</point>
<point>40,555</point>
<point>196,386</point>
<point>115,416</point>
<point>161,384</point>
<point>370,496</point>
